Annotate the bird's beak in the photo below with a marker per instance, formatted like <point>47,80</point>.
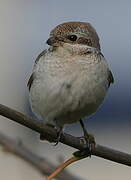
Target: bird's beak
<point>51,41</point>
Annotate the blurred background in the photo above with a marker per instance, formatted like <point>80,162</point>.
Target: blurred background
<point>24,29</point>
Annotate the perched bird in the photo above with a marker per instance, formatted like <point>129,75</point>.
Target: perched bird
<point>70,79</point>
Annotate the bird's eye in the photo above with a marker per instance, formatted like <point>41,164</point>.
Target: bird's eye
<point>72,37</point>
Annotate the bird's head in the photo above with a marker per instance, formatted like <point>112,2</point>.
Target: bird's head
<point>73,35</point>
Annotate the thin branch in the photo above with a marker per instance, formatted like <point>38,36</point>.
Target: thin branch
<point>40,163</point>
<point>50,134</point>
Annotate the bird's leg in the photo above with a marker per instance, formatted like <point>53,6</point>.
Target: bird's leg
<point>59,133</point>
<point>90,142</point>
<point>87,136</point>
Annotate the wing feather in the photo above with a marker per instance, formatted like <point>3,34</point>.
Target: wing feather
<point>110,78</point>
<point>31,79</point>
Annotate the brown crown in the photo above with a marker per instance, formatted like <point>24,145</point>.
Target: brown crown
<point>77,27</point>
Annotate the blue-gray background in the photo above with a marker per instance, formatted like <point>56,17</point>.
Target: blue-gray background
<point>24,29</point>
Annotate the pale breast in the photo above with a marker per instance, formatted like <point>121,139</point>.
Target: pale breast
<point>67,91</point>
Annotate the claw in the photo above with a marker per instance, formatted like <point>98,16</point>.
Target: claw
<point>59,133</point>
<point>42,136</point>
<point>89,145</point>
<point>89,142</point>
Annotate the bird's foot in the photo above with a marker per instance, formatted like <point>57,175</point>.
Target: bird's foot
<point>89,142</point>
<point>59,131</point>
<point>42,135</point>
<point>59,134</point>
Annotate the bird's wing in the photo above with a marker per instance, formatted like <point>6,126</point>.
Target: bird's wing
<point>110,78</point>
<point>31,79</point>
<point>40,55</point>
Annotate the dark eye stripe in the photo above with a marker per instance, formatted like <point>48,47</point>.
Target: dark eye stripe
<point>83,40</point>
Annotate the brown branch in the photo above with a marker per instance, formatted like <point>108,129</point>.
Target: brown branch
<point>40,163</point>
<point>50,134</point>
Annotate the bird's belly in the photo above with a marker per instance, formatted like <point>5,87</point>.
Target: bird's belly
<point>66,100</point>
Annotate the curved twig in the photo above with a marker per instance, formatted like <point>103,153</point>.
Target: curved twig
<point>61,167</point>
